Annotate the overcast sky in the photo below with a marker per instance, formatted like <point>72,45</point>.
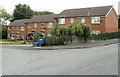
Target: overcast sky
<point>57,6</point>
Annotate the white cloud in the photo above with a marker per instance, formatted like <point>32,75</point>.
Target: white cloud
<point>57,5</point>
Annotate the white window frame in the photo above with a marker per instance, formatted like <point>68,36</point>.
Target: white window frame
<point>49,35</point>
<point>50,25</point>
<point>8,28</point>
<point>8,35</point>
<point>82,20</point>
<point>17,28</point>
<point>96,32</point>
<point>71,20</point>
<point>35,25</point>
<point>42,24</point>
<point>61,20</point>
<point>95,20</point>
<point>22,28</point>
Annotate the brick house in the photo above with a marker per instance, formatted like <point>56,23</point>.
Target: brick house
<point>101,19</point>
<point>17,29</point>
<point>40,24</point>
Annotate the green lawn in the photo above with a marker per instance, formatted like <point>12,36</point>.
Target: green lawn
<point>4,40</point>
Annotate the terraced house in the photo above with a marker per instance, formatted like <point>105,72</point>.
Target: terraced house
<point>101,19</point>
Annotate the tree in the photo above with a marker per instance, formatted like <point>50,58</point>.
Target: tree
<point>4,14</point>
<point>86,32</point>
<point>42,12</point>
<point>22,12</point>
<point>37,36</point>
<point>3,32</point>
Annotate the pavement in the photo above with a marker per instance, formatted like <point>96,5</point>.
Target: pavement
<point>79,46</point>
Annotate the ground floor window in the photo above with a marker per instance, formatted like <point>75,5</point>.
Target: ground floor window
<point>96,32</point>
<point>49,34</point>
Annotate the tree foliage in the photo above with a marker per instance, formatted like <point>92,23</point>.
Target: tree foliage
<point>4,14</point>
<point>3,32</point>
<point>42,12</point>
<point>22,12</point>
<point>75,29</point>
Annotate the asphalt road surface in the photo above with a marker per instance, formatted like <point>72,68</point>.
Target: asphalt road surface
<point>102,60</point>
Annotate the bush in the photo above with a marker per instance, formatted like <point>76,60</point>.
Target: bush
<point>106,36</point>
<point>53,40</point>
<point>37,36</point>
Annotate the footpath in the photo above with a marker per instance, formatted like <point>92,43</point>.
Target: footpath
<point>79,46</point>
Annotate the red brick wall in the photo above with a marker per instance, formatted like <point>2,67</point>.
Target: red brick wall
<point>15,31</point>
<point>107,24</point>
<point>111,24</point>
<point>100,26</point>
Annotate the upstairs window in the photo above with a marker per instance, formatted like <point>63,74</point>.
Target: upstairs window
<point>17,28</point>
<point>22,28</point>
<point>61,20</point>
<point>95,20</point>
<point>50,25</point>
<point>35,25</point>
<point>71,20</point>
<point>83,20</point>
<point>42,24</point>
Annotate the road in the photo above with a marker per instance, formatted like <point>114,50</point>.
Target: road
<point>102,60</point>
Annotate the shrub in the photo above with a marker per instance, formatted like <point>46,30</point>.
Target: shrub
<point>37,36</point>
<point>106,36</point>
<point>55,40</point>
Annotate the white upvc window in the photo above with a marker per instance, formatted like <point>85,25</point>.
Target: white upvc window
<point>22,28</point>
<point>50,25</point>
<point>8,28</point>
<point>95,20</point>
<point>8,35</point>
<point>17,28</point>
<point>83,20</point>
<point>71,20</point>
<point>61,20</point>
<point>42,24</point>
<point>35,25</point>
<point>29,26</point>
<point>49,35</point>
<point>96,32</point>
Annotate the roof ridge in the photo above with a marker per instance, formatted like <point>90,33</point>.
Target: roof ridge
<point>89,7</point>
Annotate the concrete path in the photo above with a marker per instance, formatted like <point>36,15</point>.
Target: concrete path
<point>80,46</point>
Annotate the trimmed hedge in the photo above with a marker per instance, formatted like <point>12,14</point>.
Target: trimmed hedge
<point>106,36</point>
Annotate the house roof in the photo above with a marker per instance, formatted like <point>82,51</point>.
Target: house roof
<point>86,12</point>
<point>19,22</point>
<point>42,18</point>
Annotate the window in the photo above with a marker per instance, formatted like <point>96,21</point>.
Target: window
<point>49,35</point>
<point>42,24</point>
<point>61,20</point>
<point>35,25</point>
<point>17,28</point>
<point>50,25</point>
<point>22,36</point>
<point>82,20</point>
<point>71,20</point>
<point>96,32</point>
<point>17,34</point>
<point>29,26</point>
<point>22,28</point>
<point>8,35</point>
<point>95,20</point>
<point>8,28</point>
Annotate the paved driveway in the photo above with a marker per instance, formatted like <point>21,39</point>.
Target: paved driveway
<point>102,60</point>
